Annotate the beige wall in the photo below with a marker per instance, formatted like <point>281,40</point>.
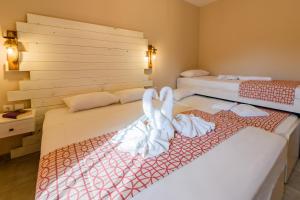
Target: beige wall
<point>251,37</point>
<point>170,25</point>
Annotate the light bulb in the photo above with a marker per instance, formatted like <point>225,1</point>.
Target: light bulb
<point>10,51</point>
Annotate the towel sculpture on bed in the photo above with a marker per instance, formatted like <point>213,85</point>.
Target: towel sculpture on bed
<point>150,134</point>
<point>192,126</point>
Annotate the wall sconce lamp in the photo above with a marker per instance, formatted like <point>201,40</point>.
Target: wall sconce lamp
<point>151,55</point>
<point>11,45</point>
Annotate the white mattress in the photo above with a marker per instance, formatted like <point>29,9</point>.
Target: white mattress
<point>62,127</point>
<point>229,90</point>
<point>284,129</point>
<point>216,175</point>
<point>211,82</point>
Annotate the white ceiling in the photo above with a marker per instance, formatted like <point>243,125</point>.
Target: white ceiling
<point>200,2</point>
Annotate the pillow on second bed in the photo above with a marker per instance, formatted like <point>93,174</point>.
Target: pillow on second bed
<point>194,73</point>
<point>90,100</point>
<point>130,95</point>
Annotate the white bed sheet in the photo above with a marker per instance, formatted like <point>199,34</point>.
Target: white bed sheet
<point>229,90</point>
<point>284,129</point>
<point>62,127</point>
<point>212,82</point>
<point>205,177</point>
<point>233,170</point>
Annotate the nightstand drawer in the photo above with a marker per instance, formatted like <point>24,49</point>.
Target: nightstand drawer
<point>17,127</point>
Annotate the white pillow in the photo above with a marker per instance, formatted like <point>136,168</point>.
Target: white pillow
<point>130,95</point>
<point>90,100</point>
<point>244,110</point>
<point>182,93</point>
<point>194,73</point>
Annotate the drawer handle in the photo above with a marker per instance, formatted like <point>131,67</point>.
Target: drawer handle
<point>11,129</point>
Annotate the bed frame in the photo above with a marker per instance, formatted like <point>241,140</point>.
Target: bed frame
<point>293,150</point>
<point>293,142</point>
<point>221,93</point>
<point>67,57</point>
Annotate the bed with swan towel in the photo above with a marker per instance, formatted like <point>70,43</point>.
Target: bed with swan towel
<point>78,161</point>
<point>276,94</point>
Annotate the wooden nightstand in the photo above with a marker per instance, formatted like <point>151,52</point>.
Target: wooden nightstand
<point>25,124</point>
<point>11,127</point>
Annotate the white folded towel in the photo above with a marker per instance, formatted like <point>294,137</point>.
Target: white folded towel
<point>166,114</point>
<point>245,110</point>
<point>141,138</point>
<point>227,77</point>
<point>149,136</point>
<point>255,78</point>
<point>192,126</point>
<point>166,97</point>
<point>224,105</point>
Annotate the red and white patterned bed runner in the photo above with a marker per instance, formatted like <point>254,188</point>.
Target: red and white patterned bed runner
<point>94,169</point>
<point>269,123</point>
<point>275,91</point>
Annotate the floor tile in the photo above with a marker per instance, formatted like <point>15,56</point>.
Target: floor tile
<point>18,177</point>
<point>298,166</point>
<point>291,194</point>
<point>294,180</point>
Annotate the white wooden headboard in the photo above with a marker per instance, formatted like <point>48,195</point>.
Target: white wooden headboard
<point>66,57</point>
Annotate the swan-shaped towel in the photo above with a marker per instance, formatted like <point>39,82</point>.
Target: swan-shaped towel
<point>191,126</point>
<point>149,135</point>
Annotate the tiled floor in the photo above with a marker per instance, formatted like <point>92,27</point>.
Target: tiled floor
<point>292,189</point>
<point>18,176</point>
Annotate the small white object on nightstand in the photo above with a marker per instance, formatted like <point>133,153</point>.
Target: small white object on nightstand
<point>11,127</point>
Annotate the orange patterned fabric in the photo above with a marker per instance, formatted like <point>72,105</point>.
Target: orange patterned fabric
<point>94,169</point>
<point>275,91</point>
<point>268,123</point>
